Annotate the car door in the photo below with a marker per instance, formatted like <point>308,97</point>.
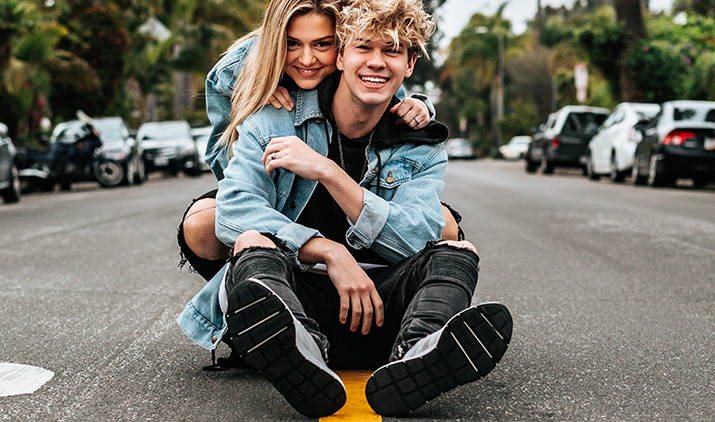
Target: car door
<point>601,144</point>
<point>645,146</point>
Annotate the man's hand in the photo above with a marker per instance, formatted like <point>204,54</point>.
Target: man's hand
<point>412,112</point>
<point>357,292</point>
<point>358,296</point>
<point>281,98</point>
<point>292,154</point>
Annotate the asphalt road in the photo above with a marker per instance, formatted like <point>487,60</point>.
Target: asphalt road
<point>611,288</point>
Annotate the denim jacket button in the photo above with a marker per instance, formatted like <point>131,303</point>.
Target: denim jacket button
<point>319,121</point>
<point>213,339</point>
<point>389,178</point>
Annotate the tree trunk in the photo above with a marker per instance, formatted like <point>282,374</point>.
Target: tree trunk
<point>630,18</point>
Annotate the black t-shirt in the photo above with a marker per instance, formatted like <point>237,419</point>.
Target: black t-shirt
<point>323,213</point>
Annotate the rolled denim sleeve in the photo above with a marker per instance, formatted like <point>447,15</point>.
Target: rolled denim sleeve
<point>414,209</point>
<point>247,196</point>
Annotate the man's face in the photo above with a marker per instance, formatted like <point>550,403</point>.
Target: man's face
<point>374,69</point>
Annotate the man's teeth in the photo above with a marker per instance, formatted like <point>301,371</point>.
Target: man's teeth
<point>373,79</point>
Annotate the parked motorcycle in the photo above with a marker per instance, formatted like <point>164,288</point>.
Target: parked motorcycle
<point>76,152</point>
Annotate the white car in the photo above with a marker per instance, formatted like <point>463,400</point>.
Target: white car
<point>201,137</point>
<point>459,148</point>
<point>516,148</point>
<point>611,150</point>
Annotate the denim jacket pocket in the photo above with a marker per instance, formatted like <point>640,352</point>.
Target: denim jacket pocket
<point>394,174</point>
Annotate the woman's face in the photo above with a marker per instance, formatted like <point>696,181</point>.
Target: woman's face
<point>311,49</point>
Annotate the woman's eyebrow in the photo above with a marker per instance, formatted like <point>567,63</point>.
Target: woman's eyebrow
<point>325,38</point>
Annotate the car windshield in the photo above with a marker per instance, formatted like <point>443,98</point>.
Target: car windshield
<point>111,130</point>
<point>694,114</point>
<point>584,122</point>
<point>165,131</point>
<point>647,114</point>
<point>516,141</point>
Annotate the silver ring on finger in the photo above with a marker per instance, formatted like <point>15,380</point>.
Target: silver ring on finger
<point>417,120</point>
<point>273,156</point>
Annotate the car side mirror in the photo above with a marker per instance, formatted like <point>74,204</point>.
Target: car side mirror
<point>3,130</point>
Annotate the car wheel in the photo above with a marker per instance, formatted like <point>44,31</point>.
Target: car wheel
<point>195,170</point>
<point>699,182</point>
<point>656,174</point>
<point>616,175</point>
<point>636,177</point>
<point>140,175</point>
<point>592,175</point>
<point>65,186</point>
<point>12,193</point>
<point>130,170</point>
<point>109,173</point>
<point>531,166</point>
<point>547,167</point>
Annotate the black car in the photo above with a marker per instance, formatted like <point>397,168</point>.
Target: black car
<point>564,138</point>
<point>95,149</point>
<point>678,143</point>
<point>169,146</point>
<point>9,179</point>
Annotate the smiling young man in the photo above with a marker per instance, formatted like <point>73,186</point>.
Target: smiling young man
<point>334,213</point>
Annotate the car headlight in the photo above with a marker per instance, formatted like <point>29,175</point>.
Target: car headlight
<point>188,149</point>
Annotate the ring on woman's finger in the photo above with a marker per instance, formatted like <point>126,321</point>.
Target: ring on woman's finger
<point>417,120</point>
<point>273,156</point>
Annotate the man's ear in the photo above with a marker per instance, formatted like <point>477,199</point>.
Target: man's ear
<point>339,62</point>
<point>411,60</point>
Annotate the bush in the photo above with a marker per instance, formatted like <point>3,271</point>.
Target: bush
<point>661,70</point>
<point>703,77</point>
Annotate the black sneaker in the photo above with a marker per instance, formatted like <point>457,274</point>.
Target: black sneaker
<point>266,334</point>
<point>464,350</point>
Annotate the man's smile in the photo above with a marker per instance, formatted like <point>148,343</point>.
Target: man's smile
<point>374,81</point>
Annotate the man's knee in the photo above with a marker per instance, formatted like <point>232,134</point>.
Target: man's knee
<point>454,262</point>
<point>252,238</point>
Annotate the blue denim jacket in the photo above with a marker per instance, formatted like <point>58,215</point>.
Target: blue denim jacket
<point>396,223</point>
<point>220,82</point>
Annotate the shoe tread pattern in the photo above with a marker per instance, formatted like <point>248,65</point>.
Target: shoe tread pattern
<point>270,347</point>
<point>402,386</point>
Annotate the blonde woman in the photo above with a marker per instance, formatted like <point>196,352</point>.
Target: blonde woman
<point>294,48</point>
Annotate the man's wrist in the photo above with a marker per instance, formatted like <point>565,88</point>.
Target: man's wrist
<point>329,171</point>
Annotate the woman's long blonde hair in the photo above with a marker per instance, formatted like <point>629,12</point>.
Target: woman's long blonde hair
<point>264,66</point>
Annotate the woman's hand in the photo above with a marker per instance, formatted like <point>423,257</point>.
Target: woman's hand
<point>412,112</point>
<point>292,154</point>
<point>281,98</point>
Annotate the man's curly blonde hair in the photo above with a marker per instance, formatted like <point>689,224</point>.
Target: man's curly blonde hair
<point>404,21</point>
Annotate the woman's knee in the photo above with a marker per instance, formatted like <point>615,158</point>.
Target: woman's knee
<point>199,232</point>
<point>451,228</point>
<point>252,238</point>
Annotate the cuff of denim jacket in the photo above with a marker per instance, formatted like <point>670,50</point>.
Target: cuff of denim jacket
<point>425,99</point>
<point>370,222</point>
<point>293,237</point>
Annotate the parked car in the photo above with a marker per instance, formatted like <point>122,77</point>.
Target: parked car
<point>459,148</point>
<point>678,143</point>
<point>169,146</point>
<point>564,138</point>
<point>201,137</point>
<point>611,150</point>
<point>516,148</point>
<point>87,149</point>
<point>9,178</point>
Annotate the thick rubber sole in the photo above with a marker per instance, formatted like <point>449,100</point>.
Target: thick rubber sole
<point>469,347</point>
<point>263,332</point>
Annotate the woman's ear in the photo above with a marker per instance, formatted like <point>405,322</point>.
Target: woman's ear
<point>339,62</point>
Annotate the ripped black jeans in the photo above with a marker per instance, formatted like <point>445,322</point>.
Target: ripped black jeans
<point>419,294</point>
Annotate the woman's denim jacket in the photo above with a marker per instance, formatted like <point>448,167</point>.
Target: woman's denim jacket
<point>396,221</point>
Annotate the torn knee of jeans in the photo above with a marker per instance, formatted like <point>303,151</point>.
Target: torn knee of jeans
<point>273,251</point>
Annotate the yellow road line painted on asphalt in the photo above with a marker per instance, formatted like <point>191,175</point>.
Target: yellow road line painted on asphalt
<point>356,407</point>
